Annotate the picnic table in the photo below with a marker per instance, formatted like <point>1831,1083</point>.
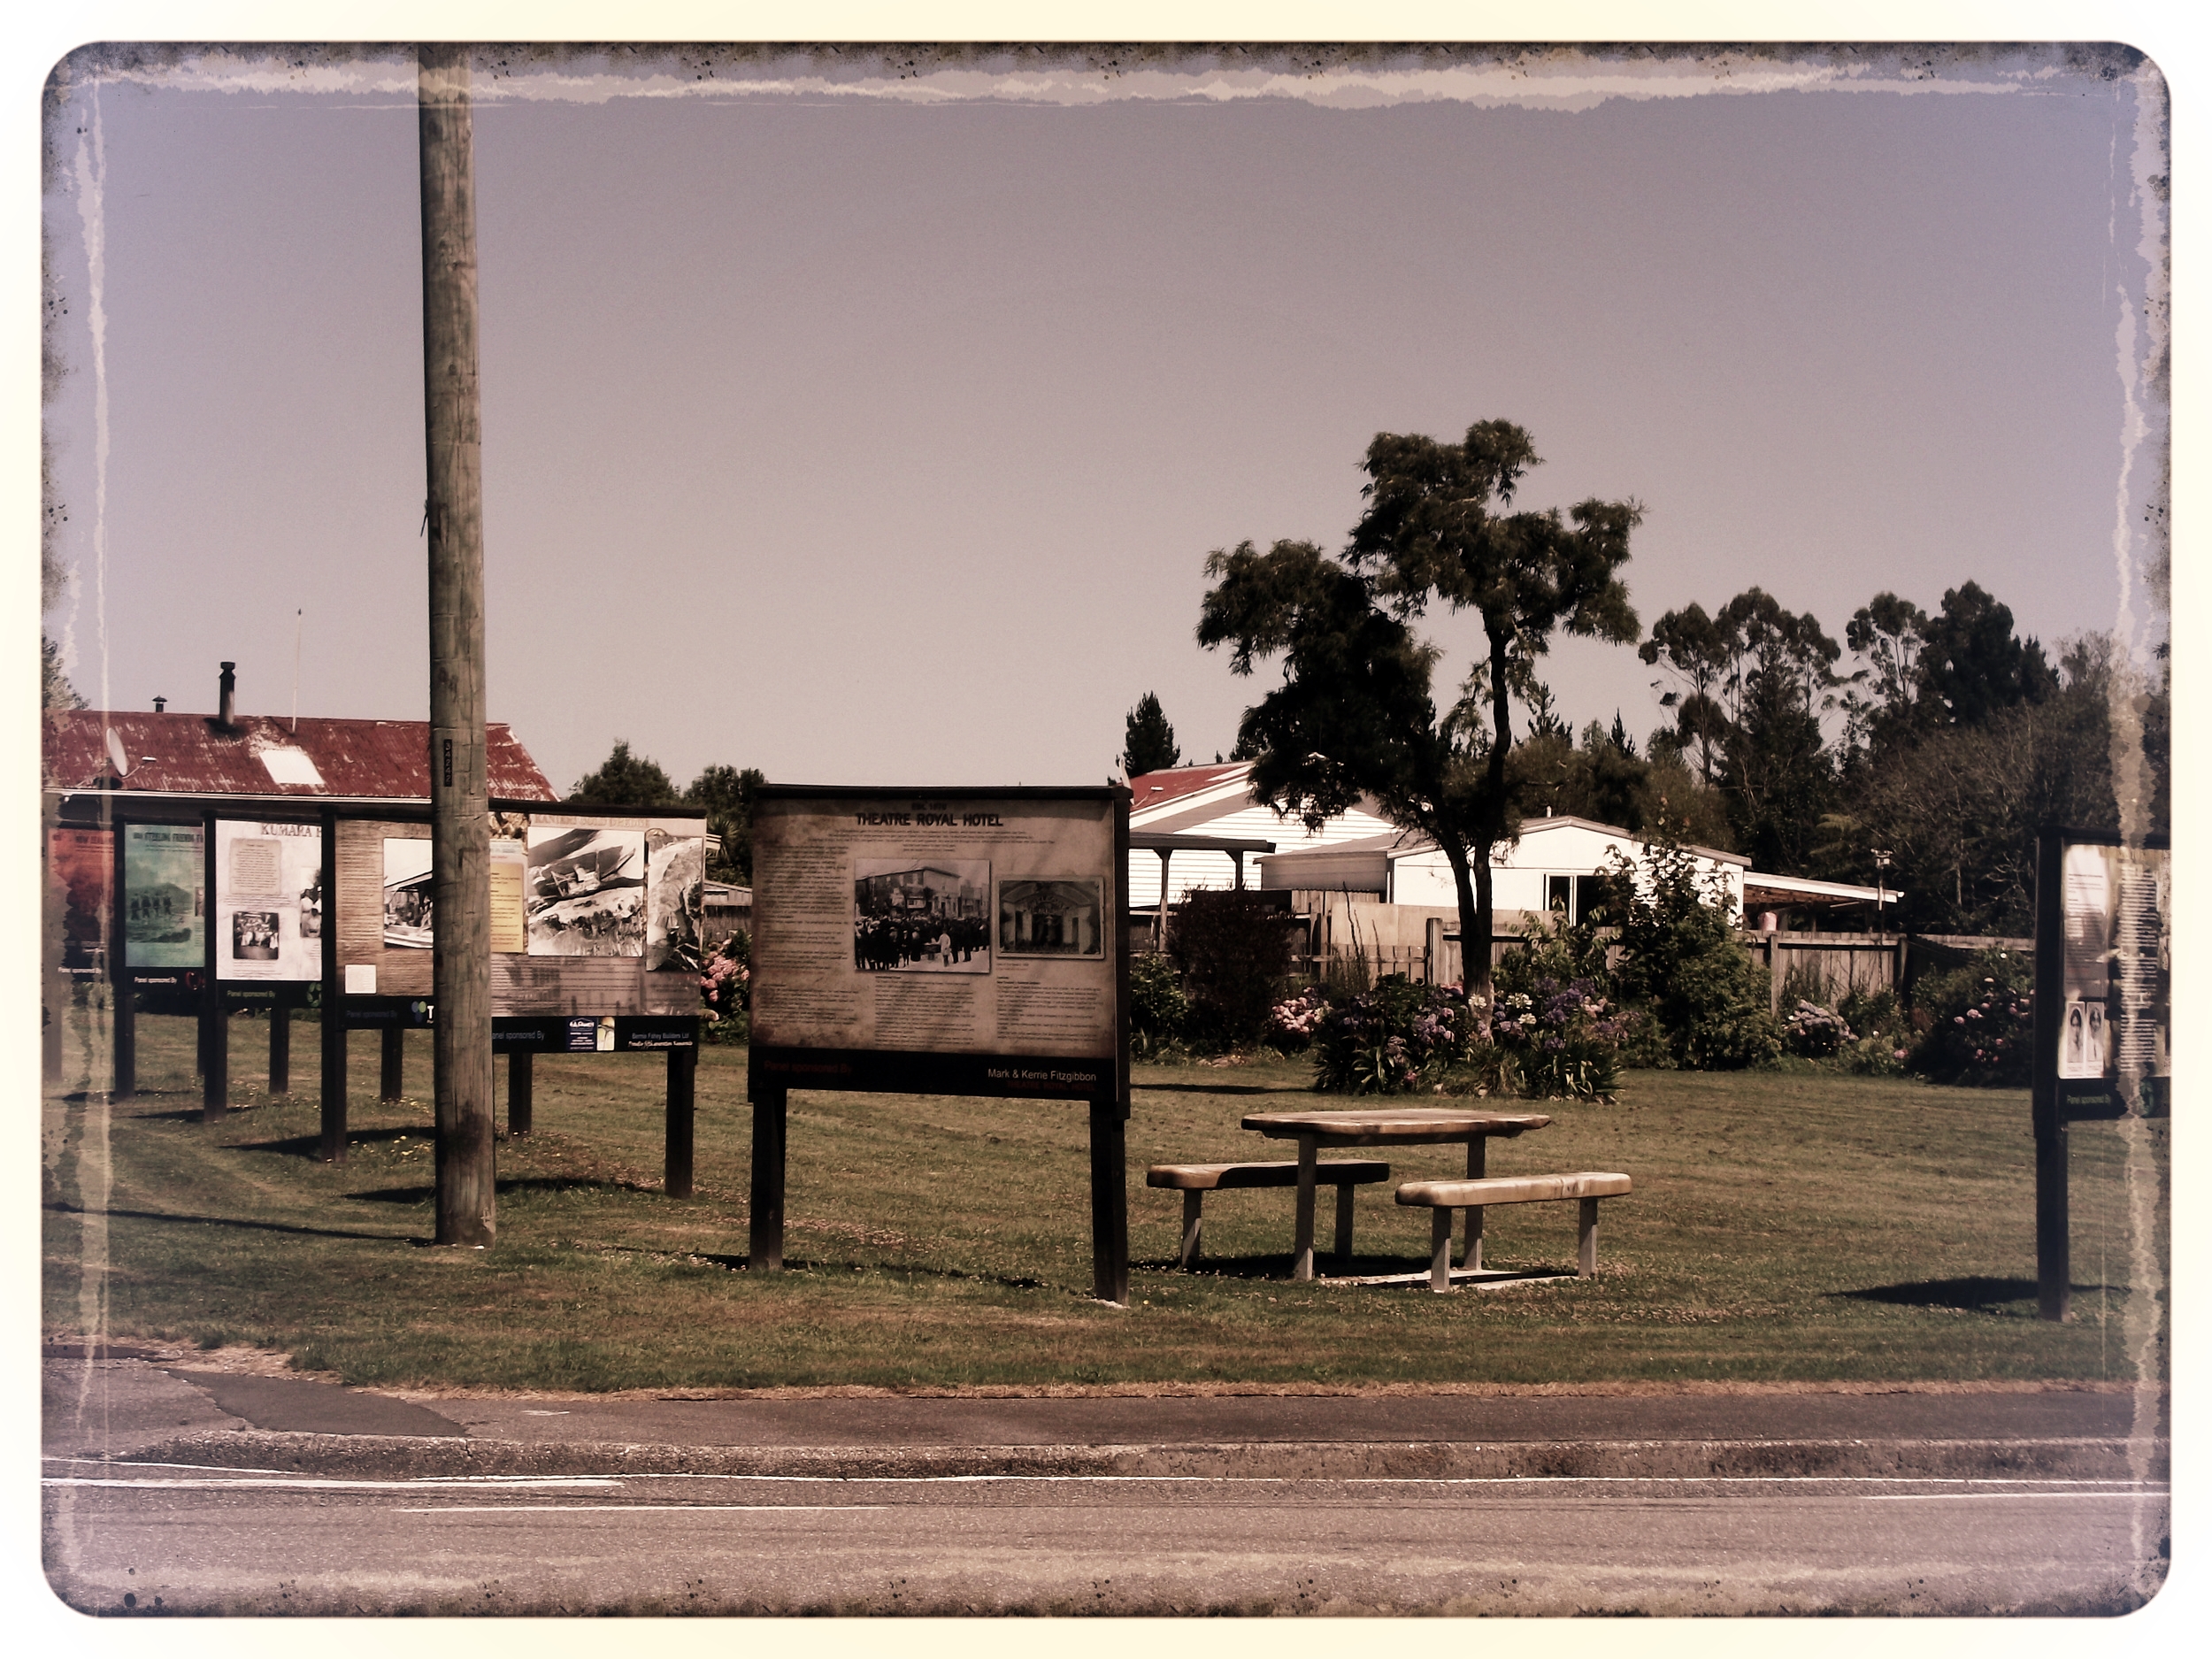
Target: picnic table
<point>1386,1126</point>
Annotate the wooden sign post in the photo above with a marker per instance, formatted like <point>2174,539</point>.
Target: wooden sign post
<point>943,942</point>
<point>2103,1014</point>
<point>460,830</point>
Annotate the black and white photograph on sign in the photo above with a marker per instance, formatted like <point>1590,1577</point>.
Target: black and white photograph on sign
<point>256,936</point>
<point>1052,916</point>
<point>587,892</point>
<point>407,924</point>
<point>921,915</point>
<point>675,898</point>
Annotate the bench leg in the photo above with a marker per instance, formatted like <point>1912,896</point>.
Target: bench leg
<point>1440,1250</point>
<point>1472,1257</point>
<point>1344,1191</point>
<point>1301,1246</point>
<point>1586,1255</point>
<point>1193,1203</point>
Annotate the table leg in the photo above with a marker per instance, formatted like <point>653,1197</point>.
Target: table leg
<point>1344,1191</point>
<point>1301,1246</point>
<point>1478,1161</point>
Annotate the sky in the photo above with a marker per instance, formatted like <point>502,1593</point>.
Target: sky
<point>870,430</point>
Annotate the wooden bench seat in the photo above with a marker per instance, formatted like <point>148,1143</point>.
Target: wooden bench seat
<point>1443,1197</point>
<point>1195,1180</point>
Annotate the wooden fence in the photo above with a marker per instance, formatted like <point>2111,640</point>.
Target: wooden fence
<point>1825,968</point>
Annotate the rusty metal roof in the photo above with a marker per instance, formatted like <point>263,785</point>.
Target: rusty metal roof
<point>193,754</point>
<point>1150,790</point>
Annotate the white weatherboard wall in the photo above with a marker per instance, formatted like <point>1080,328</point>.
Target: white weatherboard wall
<point>1414,872</point>
<point>1226,810</point>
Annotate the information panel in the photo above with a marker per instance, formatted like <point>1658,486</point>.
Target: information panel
<point>164,894</point>
<point>937,942</point>
<point>2114,945</point>
<point>268,901</point>
<point>80,865</point>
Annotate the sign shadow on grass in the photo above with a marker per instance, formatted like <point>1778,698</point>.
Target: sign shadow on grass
<point>311,1146</point>
<point>1974,1294</point>
<point>232,1221</point>
<point>1220,1088</point>
<point>508,1188</point>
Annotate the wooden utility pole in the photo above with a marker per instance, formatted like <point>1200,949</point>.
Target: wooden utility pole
<point>460,829</point>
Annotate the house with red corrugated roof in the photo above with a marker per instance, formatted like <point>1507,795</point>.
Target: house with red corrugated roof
<point>229,759</point>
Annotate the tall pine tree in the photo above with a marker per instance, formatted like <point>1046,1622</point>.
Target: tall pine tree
<point>1150,742</point>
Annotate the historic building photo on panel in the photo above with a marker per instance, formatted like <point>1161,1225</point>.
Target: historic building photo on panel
<point>587,892</point>
<point>1052,916</point>
<point>921,915</point>
<point>407,917</point>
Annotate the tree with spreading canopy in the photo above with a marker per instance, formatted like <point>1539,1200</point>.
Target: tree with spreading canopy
<point>626,780</point>
<point>1149,741</point>
<point>1355,715</point>
<point>727,792</point>
<point>1753,682</point>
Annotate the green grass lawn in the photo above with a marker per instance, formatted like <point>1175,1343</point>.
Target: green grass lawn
<point>1784,1227</point>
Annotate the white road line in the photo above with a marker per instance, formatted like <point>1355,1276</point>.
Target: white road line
<point>629,1509</point>
<point>1916,1497</point>
<point>1962,1486</point>
<point>589,1483</point>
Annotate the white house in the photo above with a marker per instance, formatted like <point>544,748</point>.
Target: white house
<point>1216,802</point>
<point>1551,866</point>
<point>1388,895</point>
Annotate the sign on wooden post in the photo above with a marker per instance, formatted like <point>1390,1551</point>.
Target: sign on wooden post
<point>2103,1012</point>
<point>942,942</point>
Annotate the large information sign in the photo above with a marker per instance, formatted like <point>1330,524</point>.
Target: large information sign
<point>268,901</point>
<point>2103,1011</point>
<point>2113,1016</point>
<point>942,942</point>
<point>937,942</point>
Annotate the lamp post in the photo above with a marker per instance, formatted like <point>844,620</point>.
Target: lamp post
<point>1881,886</point>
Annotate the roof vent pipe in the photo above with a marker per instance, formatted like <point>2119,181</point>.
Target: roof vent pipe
<point>160,703</point>
<point>227,695</point>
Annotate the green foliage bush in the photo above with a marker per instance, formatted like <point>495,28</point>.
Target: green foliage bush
<point>1232,950</point>
<point>1815,1031</point>
<point>1976,1022</point>
<point>1556,1022</point>
<point>1399,1038</point>
<point>1159,1011</point>
<point>1883,1038</point>
<point>1680,960</point>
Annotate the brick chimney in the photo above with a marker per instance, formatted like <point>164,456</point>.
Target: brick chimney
<point>226,694</point>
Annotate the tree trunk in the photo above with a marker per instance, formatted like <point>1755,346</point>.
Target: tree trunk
<point>454,522</point>
<point>1476,924</point>
<point>1472,883</point>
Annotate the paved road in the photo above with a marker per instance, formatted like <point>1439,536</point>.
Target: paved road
<point>174,1488</point>
<point>217,1541</point>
